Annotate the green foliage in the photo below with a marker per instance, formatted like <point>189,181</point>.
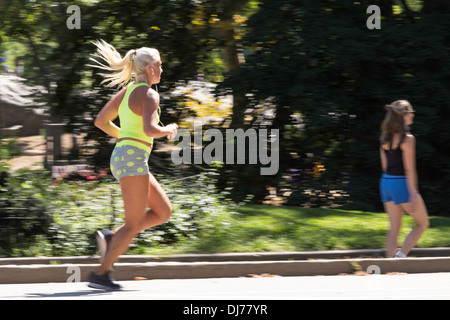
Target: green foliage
<point>258,228</point>
<point>60,219</point>
<point>314,63</point>
<point>79,209</point>
<point>24,211</point>
<point>196,205</point>
<point>8,148</point>
<point>317,59</point>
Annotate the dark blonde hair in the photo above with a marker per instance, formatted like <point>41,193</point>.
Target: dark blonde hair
<point>394,121</point>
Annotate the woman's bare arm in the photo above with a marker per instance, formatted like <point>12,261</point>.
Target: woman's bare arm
<point>409,163</point>
<point>108,114</point>
<point>150,117</point>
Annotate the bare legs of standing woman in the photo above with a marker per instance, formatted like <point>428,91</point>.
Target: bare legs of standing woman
<point>418,213</point>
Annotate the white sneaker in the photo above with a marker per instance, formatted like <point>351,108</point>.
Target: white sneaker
<point>399,255</point>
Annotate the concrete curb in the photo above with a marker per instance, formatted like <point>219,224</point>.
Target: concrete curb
<point>220,257</point>
<point>22,270</point>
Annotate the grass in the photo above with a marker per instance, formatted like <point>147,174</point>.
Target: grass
<point>257,228</point>
<point>202,221</point>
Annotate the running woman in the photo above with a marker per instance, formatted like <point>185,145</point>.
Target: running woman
<point>137,105</point>
<point>398,184</point>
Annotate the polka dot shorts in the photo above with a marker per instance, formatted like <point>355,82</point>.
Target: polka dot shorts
<point>128,161</point>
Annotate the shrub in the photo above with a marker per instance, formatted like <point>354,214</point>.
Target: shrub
<point>24,211</point>
<point>41,218</point>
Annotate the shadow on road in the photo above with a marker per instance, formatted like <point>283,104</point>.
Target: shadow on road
<point>80,293</point>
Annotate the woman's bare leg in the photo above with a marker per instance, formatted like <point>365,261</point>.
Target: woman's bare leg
<point>138,193</point>
<point>420,216</point>
<point>134,194</point>
<point>395,217</point>
<point>159,204</point>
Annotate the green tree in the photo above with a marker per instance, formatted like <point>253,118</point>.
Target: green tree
<point>310,69</point>
<point>57,56</point>
<point>317,60</point>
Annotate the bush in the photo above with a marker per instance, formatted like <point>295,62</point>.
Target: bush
<point>79,208</point>
<point>196,204</point>
<point>60,219</point>
<point>8,148</point>
<point>24,210</point>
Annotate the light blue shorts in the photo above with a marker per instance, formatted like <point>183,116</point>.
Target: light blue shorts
<point>128,161</point>
<point>394,188</point>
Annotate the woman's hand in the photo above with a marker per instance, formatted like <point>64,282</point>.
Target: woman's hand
<point>173,127</point>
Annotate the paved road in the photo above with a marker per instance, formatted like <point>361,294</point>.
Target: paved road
<point>406,286</point>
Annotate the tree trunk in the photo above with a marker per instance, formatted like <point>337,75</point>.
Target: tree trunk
<point>233,58</point>
<point>233,64</point>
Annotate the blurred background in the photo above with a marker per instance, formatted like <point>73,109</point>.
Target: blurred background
<point>309,68</point>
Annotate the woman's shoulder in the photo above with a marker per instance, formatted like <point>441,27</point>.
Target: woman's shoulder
<point>148,97</point>
<point>151,93</point>
<point>409,138</point>
<point>152,96</point>
<point>145,93</point>
<point>409,141</point>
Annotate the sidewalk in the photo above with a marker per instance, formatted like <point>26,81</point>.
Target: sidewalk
<point>225,294</point>
<point>195,266</point>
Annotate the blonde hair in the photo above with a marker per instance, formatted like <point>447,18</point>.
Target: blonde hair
<point>133,64</point>
<point>393,121</point>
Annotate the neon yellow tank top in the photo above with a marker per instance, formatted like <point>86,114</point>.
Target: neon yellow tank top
<point>131,124</point>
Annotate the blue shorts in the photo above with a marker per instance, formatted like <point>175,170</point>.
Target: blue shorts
<point>394,188</point>
<point>128,161</point>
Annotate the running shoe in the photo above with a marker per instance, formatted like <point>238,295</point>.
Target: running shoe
<point>399,255</point>
<point>103,239</point>
<point>103,282</point>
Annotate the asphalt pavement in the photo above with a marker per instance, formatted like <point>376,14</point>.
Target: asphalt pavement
<point>234,277</point>
<point>193,292</point>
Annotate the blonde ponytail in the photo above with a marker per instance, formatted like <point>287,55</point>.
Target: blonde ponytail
<point>123,69</point>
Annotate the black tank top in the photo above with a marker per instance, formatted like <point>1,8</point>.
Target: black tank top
<point>395,162</point>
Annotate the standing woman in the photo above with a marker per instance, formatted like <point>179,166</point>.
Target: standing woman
<point>137,105</point>
<point>398,184</point>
